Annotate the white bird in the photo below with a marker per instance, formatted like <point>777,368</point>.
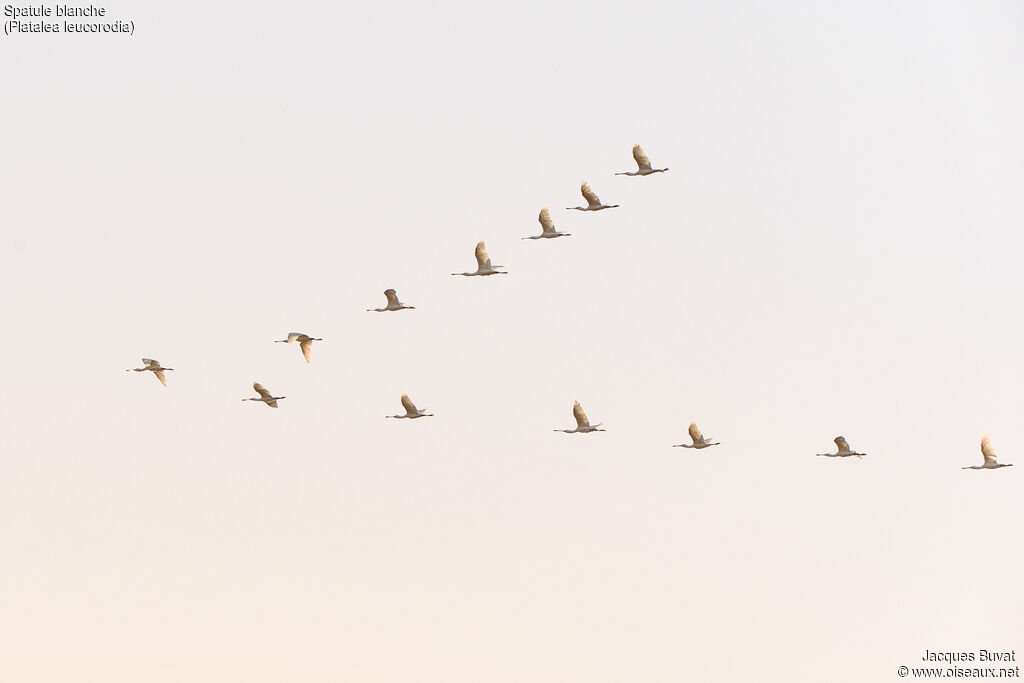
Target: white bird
<point>583,425</point>
<point>264,396</point>
<point>844,450</point>
<point>483,263</point>
<point>990,457</point>
<point>593,203</point>
<point>410,410</point>
<point>548,226</point>
<point>305,343</point>
<point>643,164</point>
<point>698,439</point>
<point>393,303</point>
<point>154,367</point>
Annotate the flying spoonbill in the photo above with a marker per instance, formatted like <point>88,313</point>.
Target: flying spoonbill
<point>583,425</point>
<point>990,457</point>
<point>844,450</point>
<point>593,203</point>
<point>410,410</point>
<point>393,303</point>
<point>548,226</point>
<point>264,396</point>
<point>305,343</point>
<point>483,263</point>
<point>643,164</point>
<point>698,439</point>
<point>154,367</point>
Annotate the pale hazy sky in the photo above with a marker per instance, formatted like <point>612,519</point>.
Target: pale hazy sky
<point>834,251</point>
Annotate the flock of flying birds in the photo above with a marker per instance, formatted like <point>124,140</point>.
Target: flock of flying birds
<point>484,268</point>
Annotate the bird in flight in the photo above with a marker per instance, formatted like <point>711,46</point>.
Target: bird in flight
<point>583,425</point>
<point>989,454</point>
<point>305,343</point>
<point>593,203</point>
<point>393,303</point>
<point>844,450</point>
<point>410,410</point>
<point>698,439</point>
<point>264,396</point>
<point>548,227</point>
<point>643,164</point>
<point>483,263</point>
<point>154,367</point>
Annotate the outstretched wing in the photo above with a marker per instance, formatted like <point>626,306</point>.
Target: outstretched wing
<point>641,159</point>
<point>392,297</point>
<point>307,348</point>
<point>260,390</point>
<point>545,220</point>
<point>160,376</point>
<point>410,407</point>
<point>482,259</point>
<point>293,336</point>
<point>842,444</point>
<point>695,432</point>
<point>580,415</point>
<point>148,362</point>
<point>589,195</point>
<point>987,450</point>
